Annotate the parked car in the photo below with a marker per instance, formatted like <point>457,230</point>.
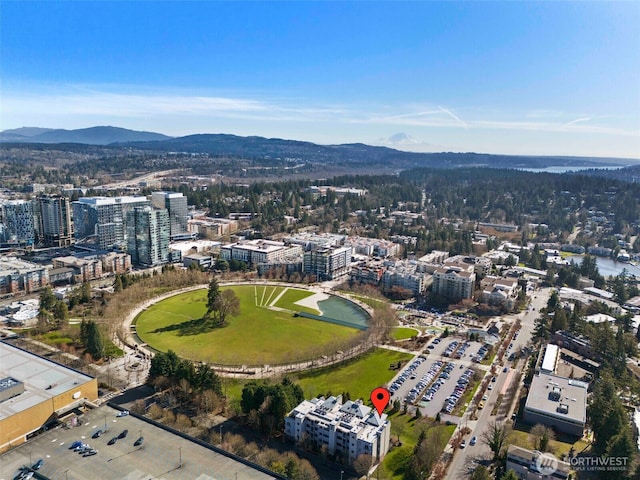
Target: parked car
<point>123,434</point>
<point>98,433</point>
<point>463,444</point>
<point>38,464</point>
<point>138,442</point>
<point>123,413</point>
<point>473,441</point>
<point>112,441</point>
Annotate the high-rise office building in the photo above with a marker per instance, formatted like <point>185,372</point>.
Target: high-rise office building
<point>148,236</point>
<point>18,222</point>
<point>105,217</point>
<point>176,205</point>
<point>56,228</point>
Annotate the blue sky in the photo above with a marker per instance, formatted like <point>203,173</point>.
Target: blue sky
<point>499,77</point>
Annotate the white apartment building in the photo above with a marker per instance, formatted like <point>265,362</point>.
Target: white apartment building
<point>255,252</point>
<point>373,246</point>
<point>346,430</point>
<point>454,283</point>
<point>534,465</point>
<point>406,274</point>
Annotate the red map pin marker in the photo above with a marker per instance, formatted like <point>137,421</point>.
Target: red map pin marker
<point>380,398</point>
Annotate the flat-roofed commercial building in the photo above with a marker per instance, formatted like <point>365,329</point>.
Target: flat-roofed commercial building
<point>38,391</point>
<point>534,465</point>
<point>550,359</point>
<point>105,217</point>
<point>176,204</point>
<point>558,402</point>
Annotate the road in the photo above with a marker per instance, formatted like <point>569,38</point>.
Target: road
<point>465,460</point>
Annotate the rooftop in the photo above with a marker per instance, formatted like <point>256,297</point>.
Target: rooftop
<point>42,378</point>
<point>558,397</point>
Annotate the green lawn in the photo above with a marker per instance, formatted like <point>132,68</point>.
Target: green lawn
<point>372,302</point>
<point>291,296</point>
<point>520,437</point>
<point>395,462</point>
<point>257,336</point>
<point>402,333</point>
<point>358,376</point>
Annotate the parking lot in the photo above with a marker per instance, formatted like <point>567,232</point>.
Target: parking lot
<point>430,379</point>
<point>160,455</point>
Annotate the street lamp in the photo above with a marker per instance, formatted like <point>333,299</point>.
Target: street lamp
<point>341,473</point>
<point>180,462</point>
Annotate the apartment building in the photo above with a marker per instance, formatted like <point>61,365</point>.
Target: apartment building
<point>84,269</point>
<point>148,236</point>
<point>20,276</point>
<point>373,247</point>
<point>347,430</point>
<point>256,252</point>
<point>56,227</point>
<point>327,263</point>
<point>18,224</point>
<point>454,283</point>
<point>500,291</point>
<point>406,274</point>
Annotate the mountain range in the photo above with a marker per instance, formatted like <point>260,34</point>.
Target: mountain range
<point>91,136</point>
<point>254,147</point>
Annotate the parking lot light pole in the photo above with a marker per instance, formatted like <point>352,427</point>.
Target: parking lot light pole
<point>180,462</point>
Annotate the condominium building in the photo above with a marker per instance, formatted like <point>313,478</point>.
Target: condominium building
<point>481,265</point>
<point>56,227</point>
<point>148,236</point>
<point>454,283</point>
<point>18,225</point>
<point>20,276</point>
<point>373,246</point>
<point>309,241</point>
<point>500,291</point>
<point>176,205</point>
<point>256,252</point>
<point>84,269</point>
<point>327,263</point>
<point>347,430</point>
<point>406,274</point>
<point>105,217</point>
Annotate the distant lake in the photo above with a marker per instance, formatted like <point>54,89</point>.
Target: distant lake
<point>608,267</point>
<point>569,168</point>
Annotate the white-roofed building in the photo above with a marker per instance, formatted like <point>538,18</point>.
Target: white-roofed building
<point>347,430</point>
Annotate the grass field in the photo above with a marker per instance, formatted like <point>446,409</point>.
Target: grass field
<point>291,296</point>
<point>358,376</point>
<point>258,336</point>
<point>402,333</point>
<point>520,437</point>
<point>394,463</point>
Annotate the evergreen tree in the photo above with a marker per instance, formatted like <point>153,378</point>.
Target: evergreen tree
<point>95,341</point>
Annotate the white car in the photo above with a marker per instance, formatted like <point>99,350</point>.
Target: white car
<point>123,413</point>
